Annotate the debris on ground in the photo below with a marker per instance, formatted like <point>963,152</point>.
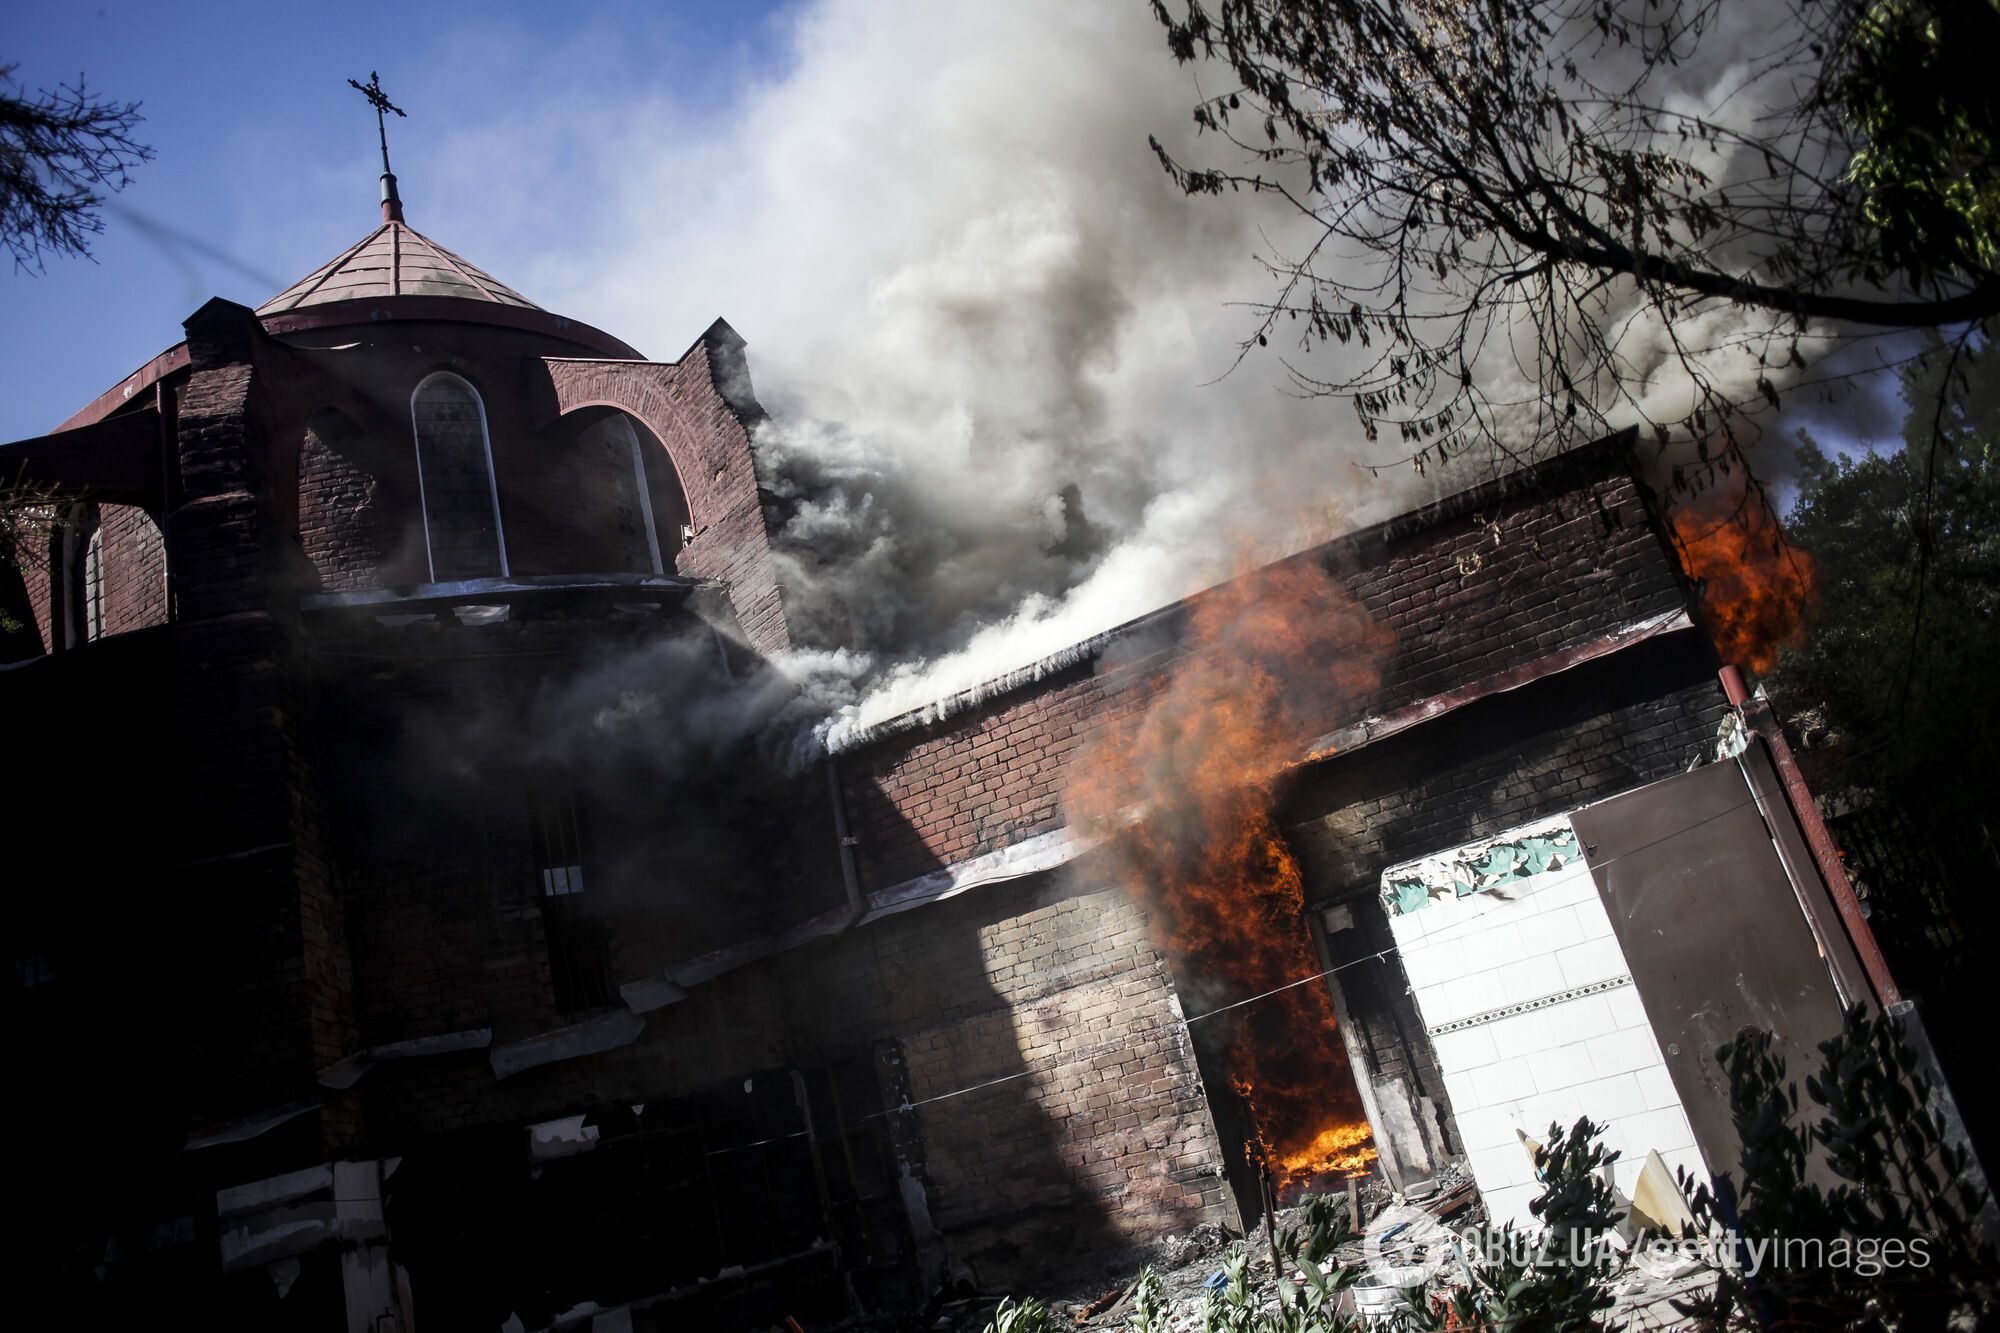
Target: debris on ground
<point>1407,1239</point>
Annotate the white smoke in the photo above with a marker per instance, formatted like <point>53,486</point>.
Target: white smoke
<point>990,331</point>
<point>985,324</point>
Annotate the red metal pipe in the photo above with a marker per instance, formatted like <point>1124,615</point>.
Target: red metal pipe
<point>1733,687</point>
<point>1819,839</point>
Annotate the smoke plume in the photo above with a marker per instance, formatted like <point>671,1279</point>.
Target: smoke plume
<point>991,333</point>
<point>995,340</point>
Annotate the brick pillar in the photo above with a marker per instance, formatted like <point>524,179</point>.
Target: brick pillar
<point>247,851</point>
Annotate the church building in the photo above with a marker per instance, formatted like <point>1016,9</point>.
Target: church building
<point>416,922</point>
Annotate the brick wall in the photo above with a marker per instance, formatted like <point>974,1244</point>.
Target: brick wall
<point>1602,728</point>
<point>700,410</point>
<point>1056,1100</point>
<point>1111,1138</point>
<point>133,560</point>
<point>566,503</point>
<point>1466,589</point>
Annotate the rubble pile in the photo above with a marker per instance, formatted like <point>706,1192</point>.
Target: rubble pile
<point>1406,1240</point>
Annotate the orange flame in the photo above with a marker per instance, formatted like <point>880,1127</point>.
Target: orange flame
<point>1186,790</point>
<point>1756,590</point>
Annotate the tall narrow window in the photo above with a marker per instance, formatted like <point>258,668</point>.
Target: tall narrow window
<point>93,585</point>
<point>80,542</point>
<point>623,461</point>
<point>579,949</point>
<point>455,477</point>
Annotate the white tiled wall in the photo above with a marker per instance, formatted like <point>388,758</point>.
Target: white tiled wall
<point>1594,1055</point>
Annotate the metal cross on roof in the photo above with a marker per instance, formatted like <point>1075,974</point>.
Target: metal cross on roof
<point>392,205</point>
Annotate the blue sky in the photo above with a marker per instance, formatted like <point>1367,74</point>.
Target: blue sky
<point>266,159</point>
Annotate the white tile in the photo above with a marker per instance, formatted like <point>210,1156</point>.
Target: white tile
<point>1506,1081</point>
<point>1511,1205</point>
<point>1612,1099</point>
<point>1627,1010</point>
<point>1685,1159</point>
<point>1408,927</point>
<point>1624,1052</point>
<point>1562,1067</point>
<point>1475,994</point>
<point>1657,1087</point>
<point>1593,921</point>
<point>1569,886</point>
<point>1464,1093</point>
<point>1485,1127</point>
<point>1661,1131</point>
<point>1435,1006</point>
<point>1525,980</point>
<point>1497,945</point>
<point>1625,1171</point>
<point>1424,964</point>
<point>1468,1048</point>
<point>1521,1035</point>
<point>1456,959</point>
<point>1561,1107</point>
<point>1501,1167</point>
<point>1581,1019</point>
<point>1557,929</point>
<point>1535,896</point>
<point>1593,960</point>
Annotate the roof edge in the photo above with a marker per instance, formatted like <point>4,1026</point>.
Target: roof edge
<point>1598,452</point>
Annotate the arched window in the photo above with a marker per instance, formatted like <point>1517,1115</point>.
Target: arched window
<point>455,478</point>
<point>614,447</point>
<point>81,583</point>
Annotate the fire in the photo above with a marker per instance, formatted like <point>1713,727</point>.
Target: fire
<point>1186,788</point>
<point>1335,1150</point>
<point>1756,589</point>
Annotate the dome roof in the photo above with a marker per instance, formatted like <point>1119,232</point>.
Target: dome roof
<point>394,260</point>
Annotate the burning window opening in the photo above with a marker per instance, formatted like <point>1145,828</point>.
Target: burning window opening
<point>1267,661</point>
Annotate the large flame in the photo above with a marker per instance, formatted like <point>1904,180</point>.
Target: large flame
<point>1756,588</point>
<point>1186,790</point>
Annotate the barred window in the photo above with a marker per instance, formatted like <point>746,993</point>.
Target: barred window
<point>93,586</point>
<point>579,947</point>
<point>461,503</point>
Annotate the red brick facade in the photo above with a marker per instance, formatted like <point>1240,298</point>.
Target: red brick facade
<point>337,881</point>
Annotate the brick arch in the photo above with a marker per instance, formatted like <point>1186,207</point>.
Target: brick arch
<point>665,513</point>
<point>701,411</point>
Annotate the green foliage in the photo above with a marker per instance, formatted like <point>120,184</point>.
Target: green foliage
<point>1305,1306</point>
<point>1897,1184</point>
<point>1911,698</point>
<point>1915,81</point>
<point>1323,1226</point>
<point>1562,1283</point>
<point>1149,1303</point>
<point>1027,1316</point>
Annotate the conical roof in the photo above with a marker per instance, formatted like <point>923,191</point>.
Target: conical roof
<point>394,260</point>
